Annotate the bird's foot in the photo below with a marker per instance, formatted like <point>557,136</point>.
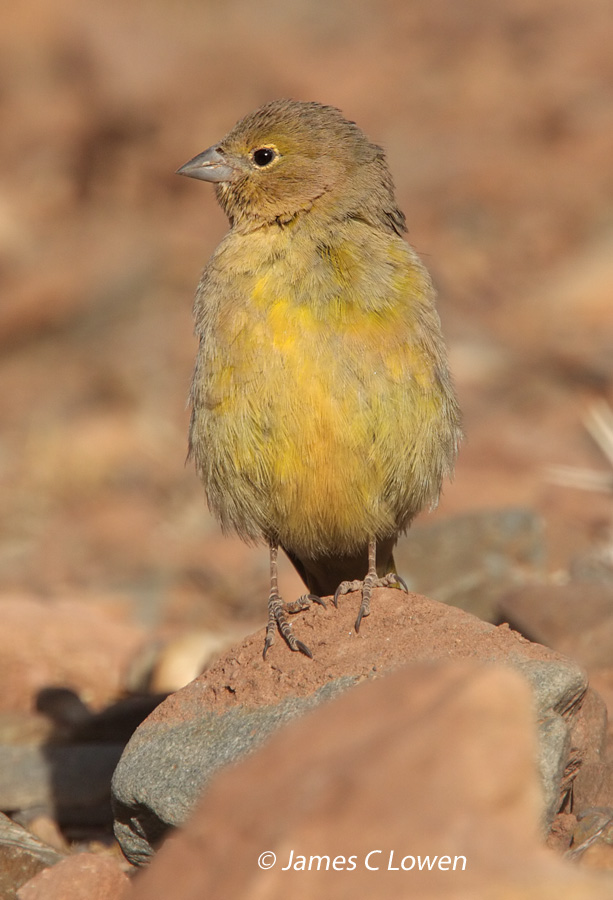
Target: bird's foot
<point>303,603</point>
<point>371,581</point>
<point>277,618</point>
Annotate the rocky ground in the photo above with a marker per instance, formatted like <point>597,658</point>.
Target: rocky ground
<point>117,588</point>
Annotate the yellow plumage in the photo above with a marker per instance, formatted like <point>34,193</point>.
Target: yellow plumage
<point>323,416</point>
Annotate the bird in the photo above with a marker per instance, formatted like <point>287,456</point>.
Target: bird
<point>323,413</point>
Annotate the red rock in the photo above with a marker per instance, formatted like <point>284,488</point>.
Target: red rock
<point>22,856</point>
<point>561,832</point>
<point>593,786</point>
<point>401,628</point>
<point>575,619</point>
<point>593,782</point>
<point>602,680</point>
<point>85,875</point>
<point>68,643</point>
<point>592,840</point>
<point>237,702</point>
<point>590,727</point>
<point>436,759</point>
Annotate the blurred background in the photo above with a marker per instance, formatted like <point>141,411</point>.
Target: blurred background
<point>497,120</point>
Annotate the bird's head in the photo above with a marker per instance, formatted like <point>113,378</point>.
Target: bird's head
<point>291,157</point>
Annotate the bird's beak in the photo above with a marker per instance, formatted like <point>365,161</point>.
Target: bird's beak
<point>210,165</point>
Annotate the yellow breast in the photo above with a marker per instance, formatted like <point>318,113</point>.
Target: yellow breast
<point>316,396</point>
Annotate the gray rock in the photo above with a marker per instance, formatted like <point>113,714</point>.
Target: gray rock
<point>184,758</point>
<point>596,565</point>
<point>558,691</point>
<point>554,751</point>
<point>21,857</point>
<point>472,560</point>
<point>558,686</point>
<point>174,754</point>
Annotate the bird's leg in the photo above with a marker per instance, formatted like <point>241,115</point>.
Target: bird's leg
<point>277,611</point>
<point>372,580</point>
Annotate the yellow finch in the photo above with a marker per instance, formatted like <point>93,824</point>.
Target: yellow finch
<point>323,415</point>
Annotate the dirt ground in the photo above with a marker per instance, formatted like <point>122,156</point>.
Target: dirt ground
<point>498,124</point>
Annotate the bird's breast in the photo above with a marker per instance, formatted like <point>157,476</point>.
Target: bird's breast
<point>314,390</point>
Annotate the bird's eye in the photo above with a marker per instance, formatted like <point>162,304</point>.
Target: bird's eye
<point>263,156</point>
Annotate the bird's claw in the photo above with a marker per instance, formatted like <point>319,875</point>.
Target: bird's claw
<point>277,619</point>
<point>366,586</point>
<point>303,603</point>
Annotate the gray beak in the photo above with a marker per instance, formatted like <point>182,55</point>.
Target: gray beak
<point>210,165</point>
